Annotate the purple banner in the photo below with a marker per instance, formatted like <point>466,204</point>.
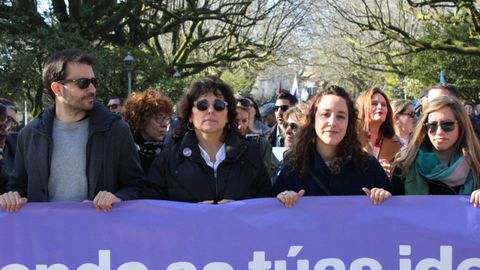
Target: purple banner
<point>319,233</point>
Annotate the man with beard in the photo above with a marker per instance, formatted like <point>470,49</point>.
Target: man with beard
<point>75,150</point>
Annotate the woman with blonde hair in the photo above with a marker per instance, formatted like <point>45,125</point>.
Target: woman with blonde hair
<point>443,156</point>
<point>294,118</point>
<point>375,124</point>
<point>404,120</point>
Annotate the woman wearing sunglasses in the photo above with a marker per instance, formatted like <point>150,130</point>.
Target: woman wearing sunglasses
<point>443,156</point>
<point>148,115</point>
<point>327,158</point>
<point>404,120</point>
<point>375,123</point>
<point>208,162</point>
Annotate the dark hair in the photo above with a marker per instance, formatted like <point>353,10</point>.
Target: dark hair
<point>3,112</point>
<point>119,98</point>
<point>291,98</point>
<point>7,103</point>
<point>213,85</point>
<point>244,102</point>
<point>55,68</point>
<point>364,103</point>
<point>258,117</point>
<point>141,105</point>
<point>300,157</point>
<point>450,88</point>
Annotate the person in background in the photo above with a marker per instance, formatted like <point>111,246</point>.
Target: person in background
<point>294,119</point>
<point>443,156</point>
<point>404,120</point>
<point>265,148</point>
<point>477,107</point>
<point>282,104</point>
<point>375,124</point>
<point>442,90</point>
<point>208,162</point>
<point>3,137</point>
<point>267,112</point>
<point>256,124</point>
<point>11,141</point>
<point>469,108</point>
<point>75,150</point>
<point>148,114</point>
<point>421,101</point>
<point>115,105</point>
<point>328,158</point>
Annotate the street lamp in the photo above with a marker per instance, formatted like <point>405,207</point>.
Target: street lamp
<point>128,60</point>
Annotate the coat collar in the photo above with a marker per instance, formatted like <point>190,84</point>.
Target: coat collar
<point>188,147</point>
<point>100,119</point>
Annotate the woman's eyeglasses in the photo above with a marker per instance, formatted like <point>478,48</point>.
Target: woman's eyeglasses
<point>293,126</point>
<point>283,107</point>
<point>446,125</point>
<point>409,114</point>
<point>202,105</point>
<point>82,83</point>
<point>161,119</point>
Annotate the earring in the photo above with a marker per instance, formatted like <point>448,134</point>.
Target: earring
<point>189,126</point>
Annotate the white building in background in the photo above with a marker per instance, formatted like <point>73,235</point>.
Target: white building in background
<point>268,82</point>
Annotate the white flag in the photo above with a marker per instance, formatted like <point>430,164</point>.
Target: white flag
<point>304,95</point>
<point>294,90</point>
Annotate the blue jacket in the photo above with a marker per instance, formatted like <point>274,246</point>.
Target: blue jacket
<point>349,181</point>
<point>112,159</point>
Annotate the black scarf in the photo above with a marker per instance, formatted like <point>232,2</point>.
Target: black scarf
<point>148,148</point>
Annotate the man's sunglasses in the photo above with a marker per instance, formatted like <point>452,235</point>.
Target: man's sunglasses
<point>202,105</point>
<point>410,114</point>
<point>446,125</point>
<point>83,83</point>
<point>113,106</point>
<point>293,126</point>
<point>283,107</point>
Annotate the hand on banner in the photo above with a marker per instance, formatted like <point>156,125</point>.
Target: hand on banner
<point>104,200</point>
<point>289,197</point>
<point>207,202</point>
<point>12,201</point>
<point>475,198</point>
<point>377,195</point>
<point>224,201</point>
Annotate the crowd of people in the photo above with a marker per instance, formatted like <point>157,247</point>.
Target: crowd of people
<point>216,146</point>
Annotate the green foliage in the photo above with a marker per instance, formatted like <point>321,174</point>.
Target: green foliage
<point>240,80</point>
<point>459,69</point>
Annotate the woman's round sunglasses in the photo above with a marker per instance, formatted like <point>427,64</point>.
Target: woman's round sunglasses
<point>203,104</point>
<point>82,83</point>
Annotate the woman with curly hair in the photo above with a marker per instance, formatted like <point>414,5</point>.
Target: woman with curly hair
<point>208,162</point>
<point>443,157</point>
<point>148,114</point>
<point>376,129</point>
<point>327,158</point>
